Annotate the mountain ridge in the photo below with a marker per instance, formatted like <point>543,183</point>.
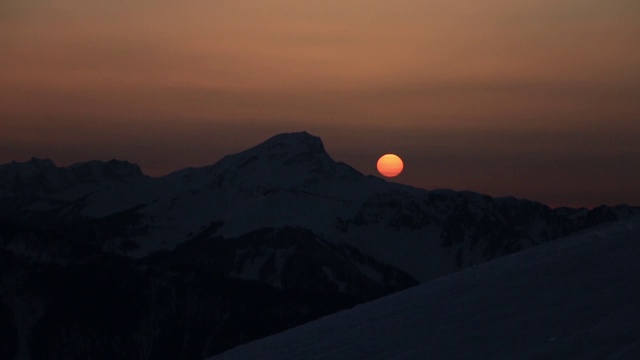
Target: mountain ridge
<point>299,143</point>
<point>42,178</point>
<point>281,221</point>
<point>290,180</point>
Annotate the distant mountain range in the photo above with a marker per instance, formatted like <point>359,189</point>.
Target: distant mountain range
<point>98,258</point>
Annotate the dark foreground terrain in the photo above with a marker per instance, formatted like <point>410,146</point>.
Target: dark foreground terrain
<point>572,299</point>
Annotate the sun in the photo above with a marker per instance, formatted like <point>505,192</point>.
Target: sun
<point>390,165</point>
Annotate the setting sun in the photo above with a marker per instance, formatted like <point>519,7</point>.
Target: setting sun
<point>390,165</point>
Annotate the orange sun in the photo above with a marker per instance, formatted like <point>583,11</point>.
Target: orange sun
<point>390,165</point>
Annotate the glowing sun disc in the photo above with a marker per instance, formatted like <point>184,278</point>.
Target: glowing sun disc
<point>390,165</point>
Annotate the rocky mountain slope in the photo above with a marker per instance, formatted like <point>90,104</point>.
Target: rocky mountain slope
<point>290,180</point>
<point>63,297</point>
<point>575,298</point>
<point>203,259</point>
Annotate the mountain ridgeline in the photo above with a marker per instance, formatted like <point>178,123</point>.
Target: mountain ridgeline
<point>98,260</point>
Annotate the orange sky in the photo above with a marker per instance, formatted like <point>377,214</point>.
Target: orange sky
<point>537,99</point>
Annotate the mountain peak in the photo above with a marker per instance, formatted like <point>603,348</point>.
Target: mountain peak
<point>295,138</point>
<point>33,163</point>
<point>292,144</point>
<point>41,177</point>
<point>27,169</point>
<point>285,147</point>
<point>41,162</point>
<point>287,160</point>
<point>99,170</point>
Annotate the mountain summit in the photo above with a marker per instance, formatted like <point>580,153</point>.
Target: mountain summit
<point>42,178</point>
<point>285,161</point>
<point>292,143</point>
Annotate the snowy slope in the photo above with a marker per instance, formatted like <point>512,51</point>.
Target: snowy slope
<point>576,298</point>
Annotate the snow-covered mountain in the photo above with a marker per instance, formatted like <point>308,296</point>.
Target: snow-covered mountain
<point>213,257</point>
<point>41,178</point>
<point>576,298</point>
<point>290,180</point>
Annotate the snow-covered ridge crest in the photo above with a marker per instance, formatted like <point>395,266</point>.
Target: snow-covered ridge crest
<point>42,178</point>
<point>289,160</point>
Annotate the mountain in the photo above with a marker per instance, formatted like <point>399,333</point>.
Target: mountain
<point>65,298</point>
<point>576,298</point>
<point>290,180</point>
<point>204,259</point>
<point>41,178</point>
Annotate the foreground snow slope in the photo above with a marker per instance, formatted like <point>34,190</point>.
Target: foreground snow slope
<point>575,298</point>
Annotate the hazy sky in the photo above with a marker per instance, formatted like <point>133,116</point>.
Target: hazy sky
<point>536,99</point>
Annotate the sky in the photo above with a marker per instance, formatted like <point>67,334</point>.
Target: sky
<point>533,99</point>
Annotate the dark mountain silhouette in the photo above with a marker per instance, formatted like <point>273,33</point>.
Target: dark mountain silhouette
<point>100,261</point>
<point>41,178</point>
